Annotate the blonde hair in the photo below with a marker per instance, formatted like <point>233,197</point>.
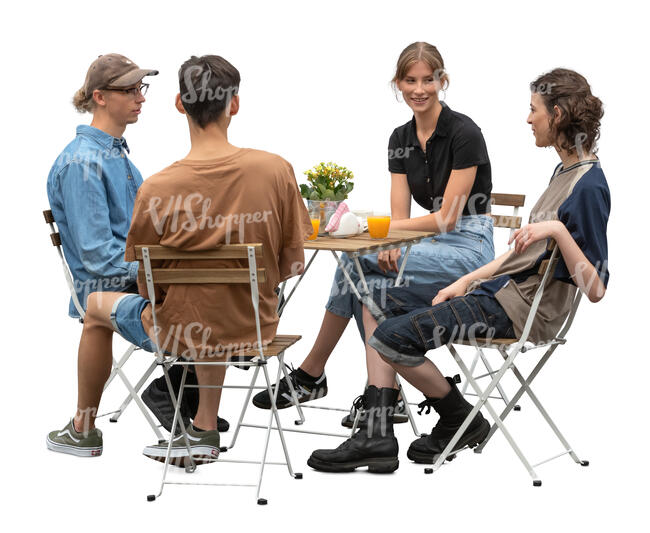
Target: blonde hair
<point>83,103</point>
<point>425,52</point>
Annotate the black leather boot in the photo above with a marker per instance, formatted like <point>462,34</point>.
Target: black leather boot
<point>374,446</point>
<point>359,405</point>
<point>453,409</point>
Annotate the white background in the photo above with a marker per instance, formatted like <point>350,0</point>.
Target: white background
<point>315,87</point>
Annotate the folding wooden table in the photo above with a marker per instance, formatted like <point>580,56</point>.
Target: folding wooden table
<point>355,247</point>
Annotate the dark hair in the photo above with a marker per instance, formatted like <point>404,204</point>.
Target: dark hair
<point>578,126</point>
<point>207,84</point>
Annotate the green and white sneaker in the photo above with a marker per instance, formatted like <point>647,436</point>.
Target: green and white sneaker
<point>69,440</point>
<point>203,444</point>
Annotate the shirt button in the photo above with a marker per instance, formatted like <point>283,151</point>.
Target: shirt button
<point>129,176</point>
<point>122,155</point>
<point>428,180</point>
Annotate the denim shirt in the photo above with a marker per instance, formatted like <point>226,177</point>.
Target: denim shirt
<point>91,188</point>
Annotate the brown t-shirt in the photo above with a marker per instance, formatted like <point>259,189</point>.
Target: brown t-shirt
<point>249,196</point>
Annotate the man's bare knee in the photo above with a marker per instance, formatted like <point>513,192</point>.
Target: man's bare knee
<point>98,309</point>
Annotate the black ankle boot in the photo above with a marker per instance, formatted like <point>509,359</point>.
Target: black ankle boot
<point>374,446</point>
<point>453,409</point>
<point>400,415</point>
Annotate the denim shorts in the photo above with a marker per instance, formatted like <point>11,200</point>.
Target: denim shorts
<point>125,317</point>
<point>443,259</point>
<point>413,327</point>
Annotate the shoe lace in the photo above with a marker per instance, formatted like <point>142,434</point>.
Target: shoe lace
<point>358,403</point>
<point>284,385</point>
<point>426,404</point>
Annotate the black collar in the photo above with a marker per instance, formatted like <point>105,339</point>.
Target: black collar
<point>442,127</point>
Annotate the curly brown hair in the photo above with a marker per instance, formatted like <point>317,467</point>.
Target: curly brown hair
<point>578,126</point>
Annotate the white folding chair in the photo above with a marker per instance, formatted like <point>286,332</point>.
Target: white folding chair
<point>55,236</point>
<point>516,347</point>
<point>257,357</point>
<point>511,222</point>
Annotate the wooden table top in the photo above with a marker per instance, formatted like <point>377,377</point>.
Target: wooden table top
<point>363,243</point>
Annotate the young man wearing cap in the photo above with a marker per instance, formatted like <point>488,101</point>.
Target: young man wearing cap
<point>224,194</point>
<point>92,184</point>
<point>91,188</point>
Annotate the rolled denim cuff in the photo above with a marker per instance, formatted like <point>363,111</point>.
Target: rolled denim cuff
<point>338,311</point>
<point>393,355</point>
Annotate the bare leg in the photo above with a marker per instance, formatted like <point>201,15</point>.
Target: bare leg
<point>330,332</point>
<point>380,373</point>
<point>95,357</point>
<point>426,378</point>
<point>206,415</point>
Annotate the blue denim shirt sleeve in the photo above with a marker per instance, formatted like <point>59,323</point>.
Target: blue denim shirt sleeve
<point>86,206</point>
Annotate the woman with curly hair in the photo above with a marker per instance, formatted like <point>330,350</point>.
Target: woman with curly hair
<point>494,300</point>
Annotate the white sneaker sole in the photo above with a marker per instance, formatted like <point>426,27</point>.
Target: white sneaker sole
<point>178,456</point>
<point>79,451</point>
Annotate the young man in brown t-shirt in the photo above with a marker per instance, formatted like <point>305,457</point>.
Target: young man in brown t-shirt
<point>218,194</point>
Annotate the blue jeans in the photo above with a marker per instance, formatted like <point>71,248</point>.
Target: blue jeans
<point>441,260</point>
<point>413,327</point>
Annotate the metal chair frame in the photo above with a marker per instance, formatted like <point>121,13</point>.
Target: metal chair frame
<point>259,361</point>
<point>512,222</point>
<point>518,346</point>
<point>118,365</point>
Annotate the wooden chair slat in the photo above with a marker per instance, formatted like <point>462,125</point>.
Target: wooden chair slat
<point>227,251</point>
<point>505,221</point>
<point>512,200</point>
<point>274,348</point>
<point>205,275</point>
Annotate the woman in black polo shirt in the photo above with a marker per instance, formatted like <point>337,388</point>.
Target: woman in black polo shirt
<point>439,159</point>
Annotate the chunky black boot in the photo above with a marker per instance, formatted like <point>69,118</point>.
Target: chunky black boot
<point>453,409</point>
<point>375,446</point>
<point>359,405</point>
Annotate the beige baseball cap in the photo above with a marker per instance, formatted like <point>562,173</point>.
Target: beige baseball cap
<point>114,70</point>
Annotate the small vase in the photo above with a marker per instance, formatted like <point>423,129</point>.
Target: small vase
<point>323,210</point>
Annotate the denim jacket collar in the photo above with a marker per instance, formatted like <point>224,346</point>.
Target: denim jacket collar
<point>101,137</point>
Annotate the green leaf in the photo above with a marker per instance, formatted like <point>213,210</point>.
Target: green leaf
<point>314,196</point>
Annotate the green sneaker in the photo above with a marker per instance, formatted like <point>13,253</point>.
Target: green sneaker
<point>69,440</point>
<point>203,444</point>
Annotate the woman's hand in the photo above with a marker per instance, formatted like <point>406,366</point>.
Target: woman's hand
<point>457,288</point>
<point>387,260</point>
<point>531,233</point>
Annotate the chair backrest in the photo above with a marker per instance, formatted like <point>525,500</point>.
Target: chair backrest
<point>55,236</point>
<point>515,201</point>
<point>546,269</point>
<point>221,275</point>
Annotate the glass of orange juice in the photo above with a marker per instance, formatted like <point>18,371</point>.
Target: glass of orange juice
<point>315,224</point>
<point>378,226</point>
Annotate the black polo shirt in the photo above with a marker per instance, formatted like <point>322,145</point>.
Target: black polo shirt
<point>456,143</point>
